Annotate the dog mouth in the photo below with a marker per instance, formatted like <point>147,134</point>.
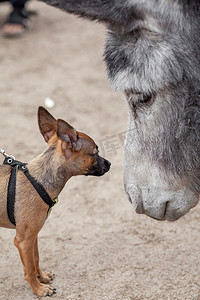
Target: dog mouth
<point>99,171</point>
<point>96,173</point>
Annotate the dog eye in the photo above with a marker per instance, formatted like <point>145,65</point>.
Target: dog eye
<point>96,152</point>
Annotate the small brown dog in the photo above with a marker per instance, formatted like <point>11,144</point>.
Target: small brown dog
<point>69,153</point>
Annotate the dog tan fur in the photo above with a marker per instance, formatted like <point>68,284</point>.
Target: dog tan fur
<point>69,153</point>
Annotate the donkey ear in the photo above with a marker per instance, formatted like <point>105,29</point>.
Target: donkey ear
<point>47,124</point>
<point>67,134</point>
<point>113,12</point>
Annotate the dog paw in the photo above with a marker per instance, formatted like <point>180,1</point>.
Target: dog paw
<point>46,277</point>
<point>44,290</point>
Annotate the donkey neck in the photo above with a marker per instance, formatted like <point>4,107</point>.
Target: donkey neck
<point>49,170</point>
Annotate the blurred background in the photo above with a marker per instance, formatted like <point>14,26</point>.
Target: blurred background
<point>94,242</point>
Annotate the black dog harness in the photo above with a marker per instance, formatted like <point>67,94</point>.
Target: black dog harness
<point>17,165</point>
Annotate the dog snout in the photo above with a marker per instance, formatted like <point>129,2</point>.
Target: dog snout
<point>101,167</point>
<point>107,165</point>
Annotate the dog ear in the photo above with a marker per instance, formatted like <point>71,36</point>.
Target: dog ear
<point>68,135</point>
<point>47,123</point>
<point>113,12</point>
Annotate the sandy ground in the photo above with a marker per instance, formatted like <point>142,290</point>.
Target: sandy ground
<point>94,242</point>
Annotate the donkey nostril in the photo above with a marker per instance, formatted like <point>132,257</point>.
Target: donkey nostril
<point>166,206</point>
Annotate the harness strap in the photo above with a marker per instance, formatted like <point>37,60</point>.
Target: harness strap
<point>11,195</point>
<point>17,165</point>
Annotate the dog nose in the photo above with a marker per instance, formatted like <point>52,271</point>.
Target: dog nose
<point>107,164</point>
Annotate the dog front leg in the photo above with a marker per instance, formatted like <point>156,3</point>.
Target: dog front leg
<point>25,246</point>
<point>44,277</point>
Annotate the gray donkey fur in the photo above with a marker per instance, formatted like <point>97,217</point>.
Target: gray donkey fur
<point>153,56</point>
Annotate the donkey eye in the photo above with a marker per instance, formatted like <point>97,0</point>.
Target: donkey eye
<point>144,99</point>
<point>139,98</point>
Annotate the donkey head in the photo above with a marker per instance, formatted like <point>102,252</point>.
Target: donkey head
<point>152,55</point>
